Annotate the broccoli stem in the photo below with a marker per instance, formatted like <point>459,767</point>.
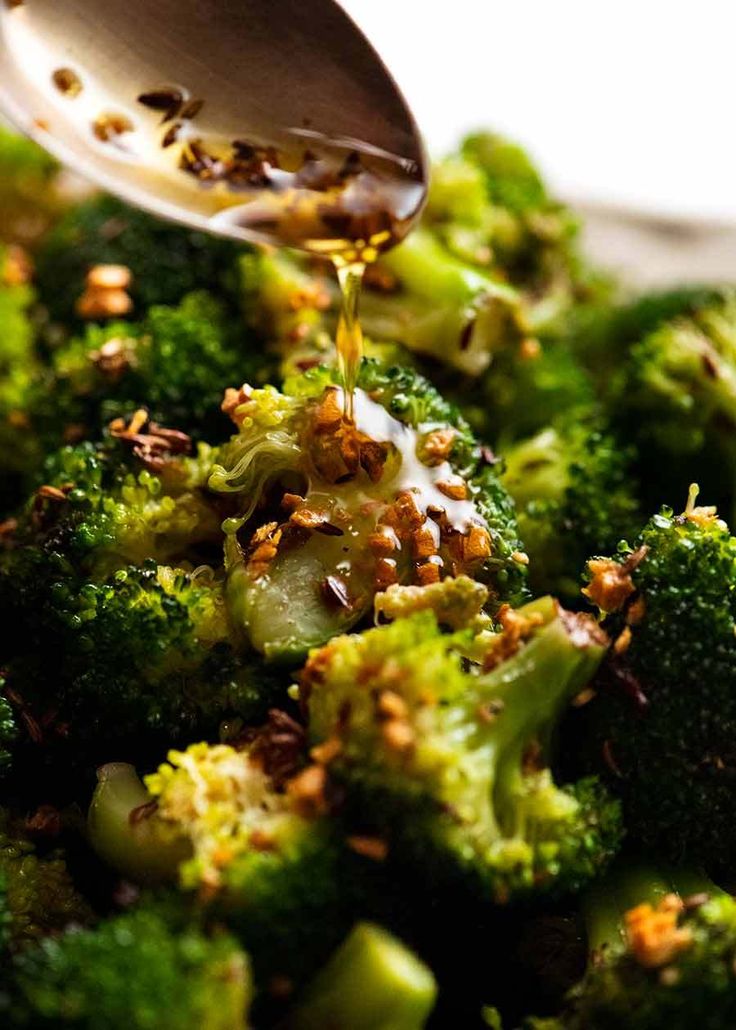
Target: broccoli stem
<point>372,982</point>
<point>605,904</point>
<point>121,833</point>
<point>533,687</point>
<point>444,308</point>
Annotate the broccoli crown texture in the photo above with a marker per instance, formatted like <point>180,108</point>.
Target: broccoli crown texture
<point>662,725</point>
<point>133,972</point>
<point>89,592</point>
<point>682,377</point>
<point>243,827</point>
<point>670,966</point>
<point>575,496</point>
<point>175,357</point>
<point>37,896</point>
<point>402,494</point>
<point>166,261</point>
<point>448,758</point>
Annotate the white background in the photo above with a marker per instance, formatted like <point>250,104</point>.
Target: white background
<point>625,103</point>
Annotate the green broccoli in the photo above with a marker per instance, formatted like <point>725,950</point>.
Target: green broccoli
<point>402,494</point>
<point>441,307</point>
<point>661,957</point>
<point>140,647</point>
<point>372,982</point>
<point>244,827</point>
<point>136,971</point>
<point>661,728</point>
<point>166,261</point>
<point>29,199</point>
<point>175,358</point>
<point>675,395</point>
<point>575,495</point>
<point>37,896</point>
<point>448,758</point>
<point>20,368</point>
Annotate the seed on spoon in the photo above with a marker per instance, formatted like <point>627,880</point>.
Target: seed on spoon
<point>67,82</point>
<point>107,127</point>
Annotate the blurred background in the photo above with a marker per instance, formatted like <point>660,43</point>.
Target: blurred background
<point>627,106</point>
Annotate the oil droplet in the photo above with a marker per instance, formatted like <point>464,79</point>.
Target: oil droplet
<point>349,337</point>
<point>67,82</point>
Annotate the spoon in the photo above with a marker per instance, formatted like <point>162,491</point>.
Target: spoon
<point>270,120</point>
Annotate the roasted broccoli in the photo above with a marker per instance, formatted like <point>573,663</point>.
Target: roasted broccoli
<point>403,494</point>
<point>245,827</point>
<point>137,971</point>
<point>661,956</point>
<point>176,357</point>
<point>447,759</point>
<point>105,581</point>
<point>661,728</point>
<point>575,495</point>
<point>37,895</point>
<point>675,394</point>
<point>165,261</point>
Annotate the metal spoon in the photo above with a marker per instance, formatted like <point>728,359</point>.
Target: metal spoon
<point>222,114</point>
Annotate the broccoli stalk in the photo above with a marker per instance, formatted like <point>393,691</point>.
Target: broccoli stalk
<point>661,728</point>
<point>442,308</point>
<point>449,759</point>
<point>372,982</point>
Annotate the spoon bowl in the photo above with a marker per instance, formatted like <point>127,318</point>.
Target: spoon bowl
<point>270,120</point>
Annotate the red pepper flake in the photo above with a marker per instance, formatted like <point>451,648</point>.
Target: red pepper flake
<point>369,847</point>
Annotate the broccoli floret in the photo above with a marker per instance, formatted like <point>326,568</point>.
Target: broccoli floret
<point>372,982</point>
<point>525,389</point>
<point>662,957</point>
<point>401,494</point>
<point>448,758</point>
<point>37,896</point>
<point>602,334</point>
<point>675,395</point>
<point>135,971</point>
<point>139,658</point>
<point>662,726</point>
<point>107,581</point>
<point>244,827</point>
<point>176,358</point>
<point>29,201</point>
<point>166,261</point>
<point>575,495</point>
<point>491,208</point>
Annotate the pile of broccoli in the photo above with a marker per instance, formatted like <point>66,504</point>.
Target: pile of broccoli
<point>422,719</point>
